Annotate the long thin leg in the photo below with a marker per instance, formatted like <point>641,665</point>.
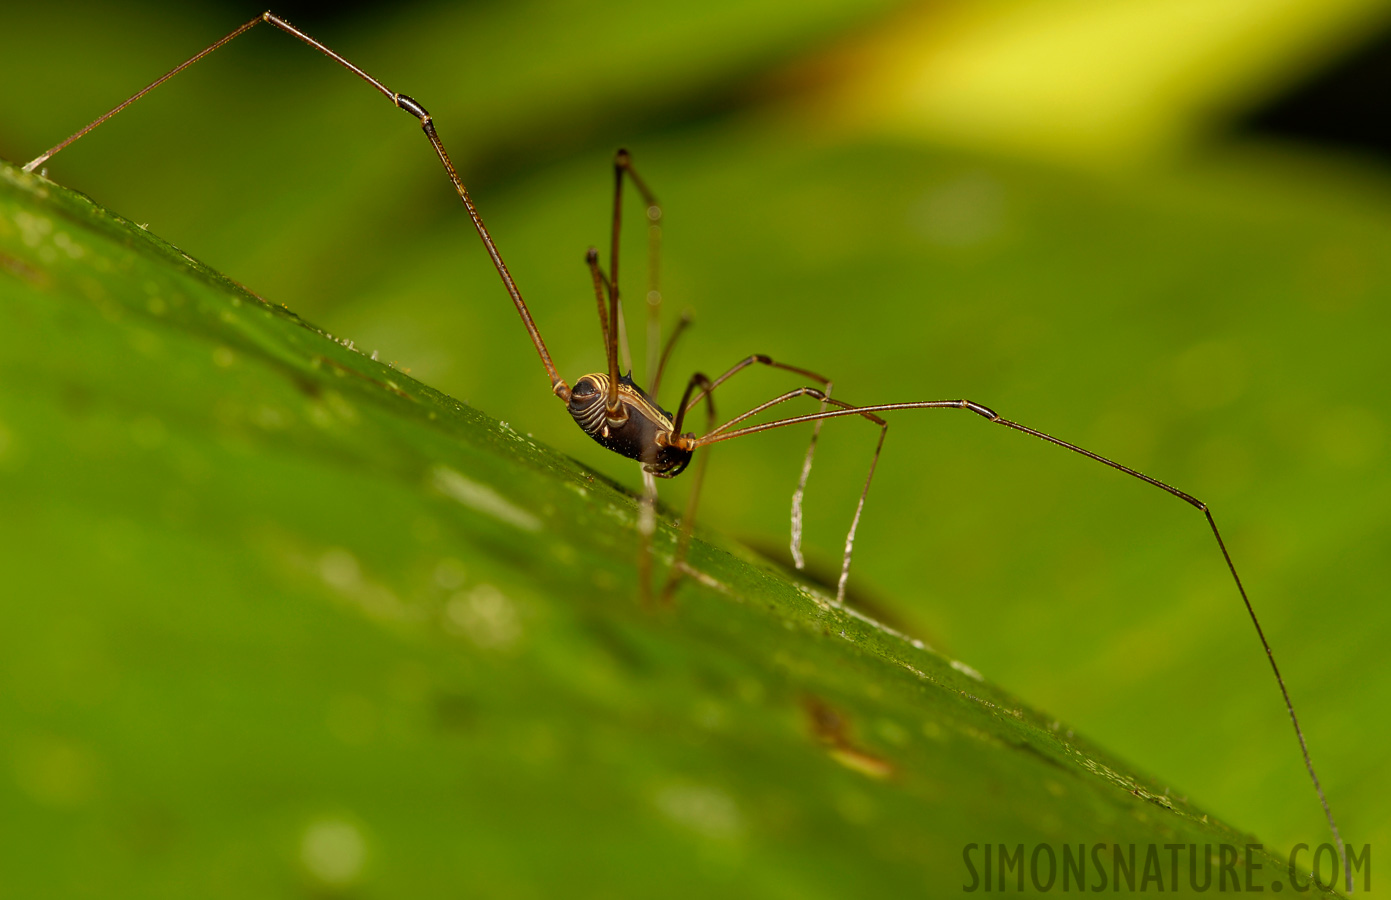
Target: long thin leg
<point>654,293</point>
<point>723,434</point>
<point>602,290</point>
<point>601,287</point>
<point>799,493</point>
<point>842,409</point>
<point>754,359</point>
<point>558,385</point>
<point>681,325</point>
<point>622,166</point>
<point>39,160</point>
<point>611,405</point>
<point>713,436</point>
<point>683,542</point>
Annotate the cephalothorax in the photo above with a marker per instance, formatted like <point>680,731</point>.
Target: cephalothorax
<point>642,431</point>
<point>623,417</point>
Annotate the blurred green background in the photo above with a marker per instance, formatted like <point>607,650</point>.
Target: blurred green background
<point>1050,208</point>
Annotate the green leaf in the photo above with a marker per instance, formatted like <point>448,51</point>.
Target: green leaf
<point>278,615</point>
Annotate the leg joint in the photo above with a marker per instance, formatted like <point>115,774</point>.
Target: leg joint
<point>979,410</point>
<point>410,106</point>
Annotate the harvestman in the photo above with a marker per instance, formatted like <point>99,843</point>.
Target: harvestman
<point>617,413</point>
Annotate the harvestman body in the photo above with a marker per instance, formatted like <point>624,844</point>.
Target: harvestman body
<point>618,414</point>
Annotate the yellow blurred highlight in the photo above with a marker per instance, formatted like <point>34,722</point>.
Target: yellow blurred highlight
<point>1096,83</point>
